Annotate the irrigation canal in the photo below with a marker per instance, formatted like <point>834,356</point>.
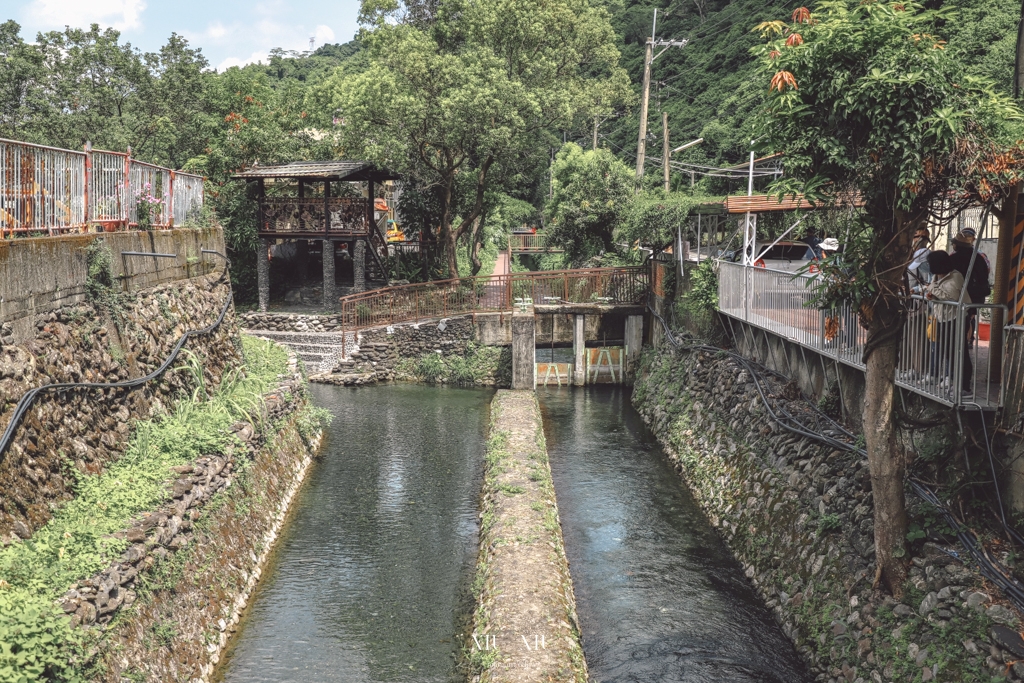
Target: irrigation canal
<point>371,578</point>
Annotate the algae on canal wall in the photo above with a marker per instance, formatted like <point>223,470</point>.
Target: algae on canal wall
<point>524,626</point>
<point>798,515</point>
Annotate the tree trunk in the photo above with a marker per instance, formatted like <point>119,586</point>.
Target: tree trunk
<point>887,464</point>
<point>885,316</point>
<point>474,244</point>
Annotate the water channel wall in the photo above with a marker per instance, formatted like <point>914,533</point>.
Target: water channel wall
<point>55,332</point>
<point>524,627</point>
<point>202,554</point>
<point>798,515</point>
<point>44,274</point>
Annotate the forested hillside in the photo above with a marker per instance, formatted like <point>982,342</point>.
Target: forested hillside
<point>708,87</point>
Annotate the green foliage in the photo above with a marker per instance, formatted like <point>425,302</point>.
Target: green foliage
<point>591,190</point>
<point>652,219</point>
<point>476,365</point>
<point>78,541</point>
<point>311,420</point>
<point>477,87</point>
<point>829,522</point>
<point>36,640</point>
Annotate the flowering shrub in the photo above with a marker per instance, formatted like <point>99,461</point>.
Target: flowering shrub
<point>146,206</point>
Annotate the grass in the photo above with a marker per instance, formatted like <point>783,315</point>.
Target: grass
<point>77,542</point>
<point>476,365</point>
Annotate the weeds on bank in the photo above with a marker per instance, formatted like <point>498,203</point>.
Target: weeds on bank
<point>78,540</point>
<point>478,364</point>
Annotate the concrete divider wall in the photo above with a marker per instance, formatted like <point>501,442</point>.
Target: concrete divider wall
<point>42,274</point>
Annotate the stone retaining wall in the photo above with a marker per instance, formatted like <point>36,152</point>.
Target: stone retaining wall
<point>192,565</point>
<point>95,343</point>
<point>798,515</point>
<point>394,353</point>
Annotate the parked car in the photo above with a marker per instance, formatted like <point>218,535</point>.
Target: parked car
<point>786,255</point>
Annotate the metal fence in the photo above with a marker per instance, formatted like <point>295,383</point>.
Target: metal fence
<point>530,243</point>
<point>445,298</point>
<point>42,189</point>
<point>945,349</point>
<point>46,190</point>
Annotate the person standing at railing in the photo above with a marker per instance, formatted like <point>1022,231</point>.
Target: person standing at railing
<point>945,291</point>
<point>976,276</point>
<point>918,270</point>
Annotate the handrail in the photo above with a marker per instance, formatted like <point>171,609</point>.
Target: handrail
<point>29,397</point>
<point>490,293</point>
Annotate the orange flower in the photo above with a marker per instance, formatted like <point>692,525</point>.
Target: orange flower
<point>773,54</point>
<point>900,7</point>
<point>781,80</point>
<point>794,40</point>
<point>801,15</point>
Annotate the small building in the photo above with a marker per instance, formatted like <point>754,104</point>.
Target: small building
<point>331,202</point>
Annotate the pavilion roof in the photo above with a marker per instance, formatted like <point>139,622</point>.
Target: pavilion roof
<point>340,169</point>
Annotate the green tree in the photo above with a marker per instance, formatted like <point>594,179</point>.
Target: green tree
<point>866,101</point>
<point>469,89</point>
<point>590,192</point>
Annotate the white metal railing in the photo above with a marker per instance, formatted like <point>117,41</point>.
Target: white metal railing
<point>41,189</point>
<point>46,190</point>
<point>944,353</point>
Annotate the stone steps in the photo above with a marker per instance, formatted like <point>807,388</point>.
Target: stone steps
<point>318,351</point>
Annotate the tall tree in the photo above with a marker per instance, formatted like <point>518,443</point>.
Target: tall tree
<point>459,87</point>
<point>590,191</point>
<point>865,100</point>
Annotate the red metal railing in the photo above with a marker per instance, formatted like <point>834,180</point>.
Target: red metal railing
<point>52,191</point>
<point>494,293</point>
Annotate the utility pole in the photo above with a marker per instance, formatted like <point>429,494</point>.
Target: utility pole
<point>664,149</point>
<point>649,57</point>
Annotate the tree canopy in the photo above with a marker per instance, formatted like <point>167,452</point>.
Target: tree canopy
<point>472,90</point>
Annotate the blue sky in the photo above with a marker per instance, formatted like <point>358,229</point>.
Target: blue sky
<point>230,32</point>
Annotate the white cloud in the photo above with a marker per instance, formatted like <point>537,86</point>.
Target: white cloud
<point>323,34</point>
<point>120,14</point>
<point>254,58</point>
<point>216,30</point>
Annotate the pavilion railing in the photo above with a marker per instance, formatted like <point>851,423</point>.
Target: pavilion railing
<point>47,190</point>
<point>935,360</point>
<point>305,215</point>
<point>495,293</point>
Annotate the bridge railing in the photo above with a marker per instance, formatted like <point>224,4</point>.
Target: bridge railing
<point>530,243</point>
<point>936,359</point>
<point>491,294</point>
<point>46,190</point>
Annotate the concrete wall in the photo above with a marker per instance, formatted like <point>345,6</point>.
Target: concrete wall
<point>43,274</point>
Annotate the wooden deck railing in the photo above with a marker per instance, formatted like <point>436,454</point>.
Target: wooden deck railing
<point>494,293</point>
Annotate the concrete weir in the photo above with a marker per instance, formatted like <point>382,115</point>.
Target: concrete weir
<point>524,627</point>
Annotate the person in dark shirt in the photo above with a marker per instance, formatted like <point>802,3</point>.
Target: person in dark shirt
<point>977,284</point>
<point>813,243</point>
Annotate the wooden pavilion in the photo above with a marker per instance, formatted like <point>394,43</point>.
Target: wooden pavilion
<point>329,201</point>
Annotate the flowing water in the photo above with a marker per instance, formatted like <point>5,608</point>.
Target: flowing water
<point>369,581</point>
<point>369,578</point>
<point>659,597</point>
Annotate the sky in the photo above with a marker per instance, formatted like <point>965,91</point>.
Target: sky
<point>230,32</point>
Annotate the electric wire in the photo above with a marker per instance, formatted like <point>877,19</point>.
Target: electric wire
<point>988,566</point>
<point>29,397</point>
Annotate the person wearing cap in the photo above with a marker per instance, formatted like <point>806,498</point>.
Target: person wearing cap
<point>813,243</point>
<point>977,283</point>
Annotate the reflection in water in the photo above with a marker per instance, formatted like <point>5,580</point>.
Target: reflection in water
<point>659,596</point>
<point>369,575</point>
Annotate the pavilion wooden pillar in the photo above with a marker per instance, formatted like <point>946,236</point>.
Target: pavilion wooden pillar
<point>263,255</point>
<point>329,295</point>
